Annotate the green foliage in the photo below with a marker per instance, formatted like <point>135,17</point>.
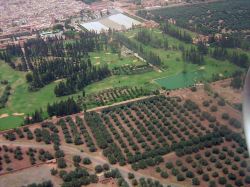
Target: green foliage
<point>4,97</point>
<point>63,108</point>
<point>43,184</point>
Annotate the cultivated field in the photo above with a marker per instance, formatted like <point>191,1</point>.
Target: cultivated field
<point>215,17</point>
<point>185,136</point>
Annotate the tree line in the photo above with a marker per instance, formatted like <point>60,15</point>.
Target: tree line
<point>144,36</point>
<point>61,108</point>
<point>4,97</point>
<point>193,55</point>
<point>238,58</point>
<point>149,56</point>
<point>177,33</point>
<point>77,72</point>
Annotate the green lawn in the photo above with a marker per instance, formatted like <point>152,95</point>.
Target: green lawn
<point>21,100</point>
<point>2,87</point>
<point>112,59</point>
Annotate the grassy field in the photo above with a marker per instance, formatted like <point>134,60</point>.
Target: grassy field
<point>113,60</point>
<point>2,87</point>
<point>21,100</point>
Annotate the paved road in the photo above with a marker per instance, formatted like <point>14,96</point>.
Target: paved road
<point>96,160</point>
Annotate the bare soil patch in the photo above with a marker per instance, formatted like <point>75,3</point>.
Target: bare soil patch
<point>224,89</point>
<point>28,176</point>
<point>18,114</point>
<point>4,116</point>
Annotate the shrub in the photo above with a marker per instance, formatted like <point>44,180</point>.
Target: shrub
<point>238,182</point>
<point>215,174</point>
<point>77,158</point>
<point>131,176</point>
<point>134,182</point>
<point>169,165</point>
<point>231,176</point>
<point>213,108</point>
<point>195,181</point>
<point>53,171</point>
<point>221,102</point>
<point>158,169</point>
<point>225,116</point>
<point>206,103</point>
<point>98,169</point>
<point>106,167</point>
<point>61,163</point>
<point>205,177</point>
<point>86,161</point>
<point>212,183</point>
<point>189,174</point>
<point>247,179</point>
<point>222,180</point>
<point>164,174</point>
<point>180,177</point>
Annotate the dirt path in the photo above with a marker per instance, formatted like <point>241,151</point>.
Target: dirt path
<point>120,103</point>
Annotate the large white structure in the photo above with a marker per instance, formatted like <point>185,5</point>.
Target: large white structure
<point>117,22</point>
<point>95,26</point>
<point>123,20</point>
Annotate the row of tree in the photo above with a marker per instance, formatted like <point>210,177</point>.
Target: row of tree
<point>63,108</point>
<point>4,97</point>
<point>144,36</point>
<point>177,33</point>
<point>77,72</point>
<point>193,56</point>
<point>237,58</point>
<point>149,56</point>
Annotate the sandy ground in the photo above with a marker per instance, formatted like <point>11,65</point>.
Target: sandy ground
<point>4,116</point>
<point>28,176</point>
<point>18,114</point>
<point>59,80</point>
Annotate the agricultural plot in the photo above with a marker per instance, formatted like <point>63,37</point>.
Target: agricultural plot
<point>16,158</point>
<point>201,139</point>
<point>112,95</point>
<point>210,18</point>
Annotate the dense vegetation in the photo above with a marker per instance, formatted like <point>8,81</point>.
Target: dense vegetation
<point>5,95</point>
<point>177,33</point>
<point>211,18</point>
<point>149,56</point>
<point>77,74</point>
<point>63,108</point>
<point>145,36</point>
